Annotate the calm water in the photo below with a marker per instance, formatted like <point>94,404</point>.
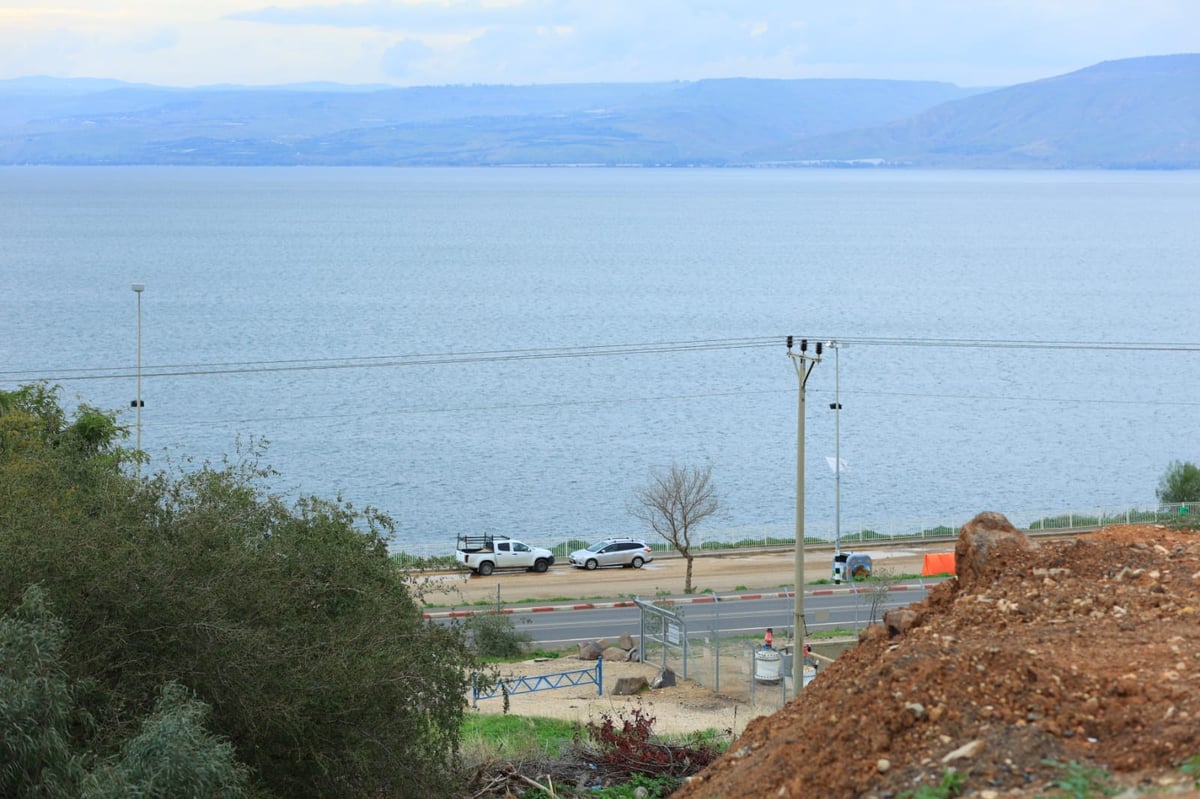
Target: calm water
<point>265,270</point>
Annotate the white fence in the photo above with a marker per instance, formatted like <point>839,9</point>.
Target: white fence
<point>930,529</point>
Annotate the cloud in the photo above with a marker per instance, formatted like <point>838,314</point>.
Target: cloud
<point>415,16</point>
<point>399,59</point>
<point>979,42</point>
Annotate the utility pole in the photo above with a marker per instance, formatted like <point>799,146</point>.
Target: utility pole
<point>836,407</point>
<point>804,363</point>
<point>138,288</point>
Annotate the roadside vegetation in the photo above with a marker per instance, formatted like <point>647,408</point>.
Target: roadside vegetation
<point>615,757</point>
<point>188,633</point>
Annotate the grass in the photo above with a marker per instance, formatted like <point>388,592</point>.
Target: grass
<point>487,737</point>
<point>1081,782</point>
<point>952,784</point>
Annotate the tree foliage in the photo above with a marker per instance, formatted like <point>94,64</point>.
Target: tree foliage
<point>673,503</point>
<point>289,621</point>
<point>1179,483</point>
<point>173,757</point>
<point>37,708</point>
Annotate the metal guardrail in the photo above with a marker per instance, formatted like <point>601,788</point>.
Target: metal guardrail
<point>511,686</point>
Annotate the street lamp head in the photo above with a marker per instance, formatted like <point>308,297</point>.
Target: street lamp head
<point>138,287</point>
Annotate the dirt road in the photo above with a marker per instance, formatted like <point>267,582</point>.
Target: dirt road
<point>662,577</point>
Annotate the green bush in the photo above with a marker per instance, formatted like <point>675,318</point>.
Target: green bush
<point>1179,483</point>
<point>173,755</point>
<point>289,620</point>
<point>494,636</point>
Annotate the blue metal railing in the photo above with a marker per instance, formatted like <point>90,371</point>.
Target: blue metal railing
<point>511,686</point>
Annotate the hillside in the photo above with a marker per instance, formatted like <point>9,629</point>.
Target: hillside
<point>1061,660</point>
<point>707,122</point>
<point>1135,113</point>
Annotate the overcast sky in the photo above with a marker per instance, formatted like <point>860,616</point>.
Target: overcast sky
<point>438,42</point>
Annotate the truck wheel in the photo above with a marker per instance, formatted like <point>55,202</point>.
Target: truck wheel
<point>637,563</point>
<point>486,568</point>
<point>540,565</point>
<point>590,565</point>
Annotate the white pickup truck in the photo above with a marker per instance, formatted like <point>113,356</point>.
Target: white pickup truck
<point>483,554</point>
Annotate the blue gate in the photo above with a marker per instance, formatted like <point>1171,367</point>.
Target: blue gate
<point>511,686</point>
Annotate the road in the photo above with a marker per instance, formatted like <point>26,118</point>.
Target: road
<point>544,604</point>
<point>845,609</point>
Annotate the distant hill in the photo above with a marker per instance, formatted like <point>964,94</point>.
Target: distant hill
<point>1134,113</point>
<point>1138,113</point>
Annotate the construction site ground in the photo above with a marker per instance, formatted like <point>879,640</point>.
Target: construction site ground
<point>1066,668</point>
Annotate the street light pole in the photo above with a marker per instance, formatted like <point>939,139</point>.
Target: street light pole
<point>803,364</point>
<point>138,288</point>
<point>836,407</point>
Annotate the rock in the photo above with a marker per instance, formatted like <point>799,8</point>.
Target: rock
<point>615,654</point>
<point>899,620</point>
<point>625,641</point>
<point>590,650</point>
<point>629,686</point>
<point>978,555</point>
<point>882,765</point>
<point>967,750</point>
<point>665,679</point>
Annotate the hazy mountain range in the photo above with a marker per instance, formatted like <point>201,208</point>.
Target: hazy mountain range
<point>1128,114</point>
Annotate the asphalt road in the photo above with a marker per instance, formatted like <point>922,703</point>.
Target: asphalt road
<point>824,610</point>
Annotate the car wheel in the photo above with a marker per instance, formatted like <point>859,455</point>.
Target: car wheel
<point>637,563</point>
<point>591,564</point>
<point>486,568</point>
<point>540,565</point>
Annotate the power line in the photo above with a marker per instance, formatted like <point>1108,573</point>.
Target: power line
<point>380,361</point>
<point>560,353</point>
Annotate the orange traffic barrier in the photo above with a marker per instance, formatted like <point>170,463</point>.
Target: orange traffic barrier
<point>938,563</point>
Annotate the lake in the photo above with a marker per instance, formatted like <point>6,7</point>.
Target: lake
<point>514,350</point>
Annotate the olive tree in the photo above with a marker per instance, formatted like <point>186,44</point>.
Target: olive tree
<point>1179,483</point>
<point>673,503</point>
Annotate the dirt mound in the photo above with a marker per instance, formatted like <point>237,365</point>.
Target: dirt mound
<point>1084,651</point>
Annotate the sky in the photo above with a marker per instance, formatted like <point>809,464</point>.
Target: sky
<point>445,42</point>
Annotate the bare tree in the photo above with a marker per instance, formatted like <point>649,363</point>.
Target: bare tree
<point>879,586</point>
<point>673,503</point>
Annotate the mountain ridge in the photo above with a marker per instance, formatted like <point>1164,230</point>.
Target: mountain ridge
<point>1131,113</point>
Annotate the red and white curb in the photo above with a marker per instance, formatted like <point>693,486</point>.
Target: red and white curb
<point>628,603</point>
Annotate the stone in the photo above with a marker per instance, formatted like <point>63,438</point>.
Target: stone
<point>589,650</point>
<point>966,751</point>
<point>665,679</point>
<point>629,686</point>
<point>981,545</point>
<point>899,621</point>
<point>625,641</point>
<point>615,654</point>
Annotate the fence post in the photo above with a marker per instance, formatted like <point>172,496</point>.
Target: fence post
<point>641,632</point>
<point>717,640</point>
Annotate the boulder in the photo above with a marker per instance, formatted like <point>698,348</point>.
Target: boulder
<point>590,650</point>
<point>625,641</point>
<point>665,679</point>
<point>899,621</point>
<point>629,686</point>
<point>615,654</point>
<point>982,542</point>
